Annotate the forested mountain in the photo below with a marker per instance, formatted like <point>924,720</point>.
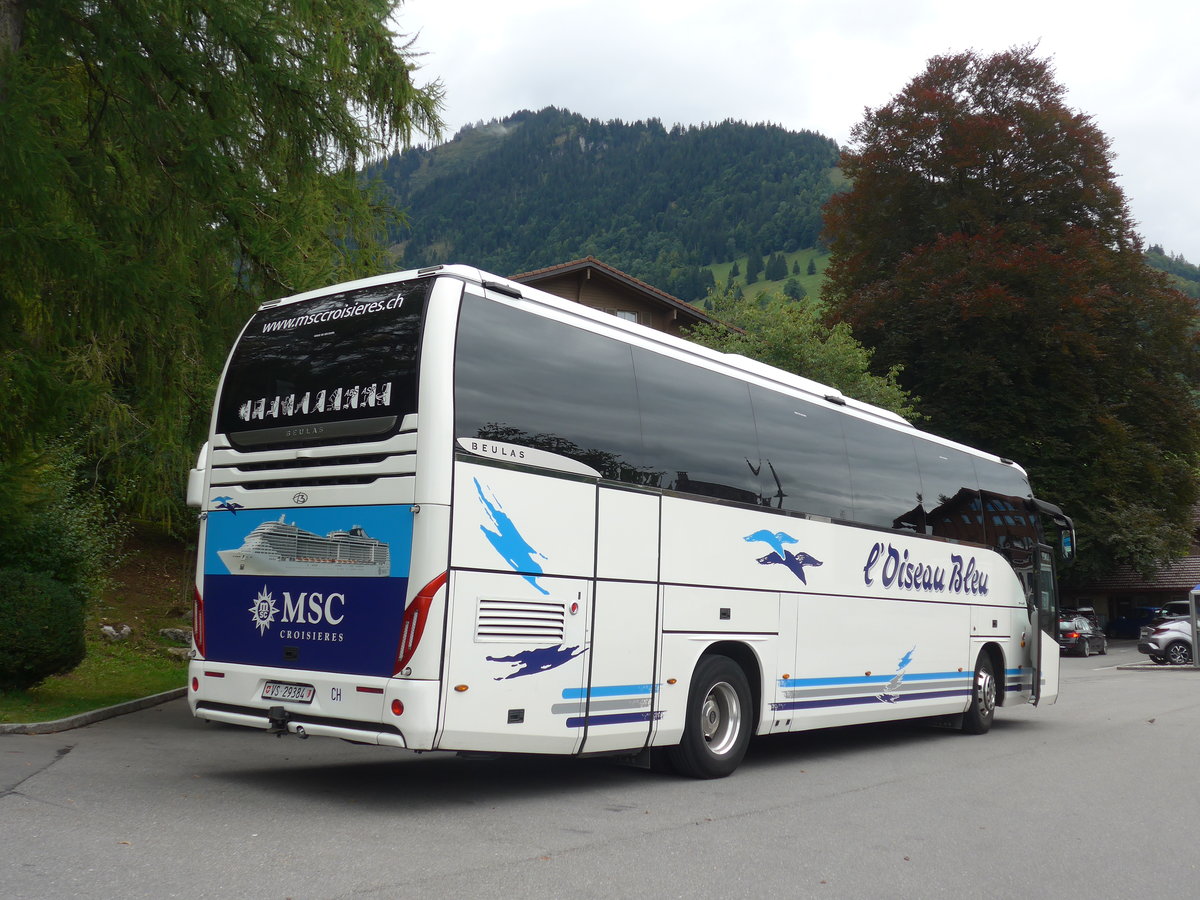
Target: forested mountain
<point>1184,275</point>
<point>540,188</point>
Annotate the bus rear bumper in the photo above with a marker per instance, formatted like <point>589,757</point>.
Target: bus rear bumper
<point>279,720</point>
<point>388,712</point>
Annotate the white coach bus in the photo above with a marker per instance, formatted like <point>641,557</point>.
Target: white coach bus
<point>444,511</point>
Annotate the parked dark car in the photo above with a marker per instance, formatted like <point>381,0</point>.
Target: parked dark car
<point>1080,635</point>
<point>1170,642</point>
<point>1129,624</point>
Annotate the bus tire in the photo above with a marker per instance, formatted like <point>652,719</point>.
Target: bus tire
<point>717,721</point>
<point>978,717</point>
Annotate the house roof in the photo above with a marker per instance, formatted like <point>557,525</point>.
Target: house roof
<point>590,263</point>
<point>1180,575</point>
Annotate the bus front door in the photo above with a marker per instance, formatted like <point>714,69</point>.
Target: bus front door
<point>1043,624</point>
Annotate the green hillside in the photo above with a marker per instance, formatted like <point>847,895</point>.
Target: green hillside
<point>1183,275</point>
<point>677,208</point>
<point>810,285</point>
<point>664,205</point>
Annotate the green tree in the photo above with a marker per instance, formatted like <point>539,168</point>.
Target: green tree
<point>754,266</point>
<point>163,169</point>
<point>793,290</point>
<point>812,266</point>
<point>985,244</point>
<point>790,335</point>
<point>776,268</point>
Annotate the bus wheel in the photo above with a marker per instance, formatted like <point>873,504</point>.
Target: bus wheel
<point>716,729</point>
<point>979,715</point>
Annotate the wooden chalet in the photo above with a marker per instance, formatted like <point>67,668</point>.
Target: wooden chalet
<point>600,286</point>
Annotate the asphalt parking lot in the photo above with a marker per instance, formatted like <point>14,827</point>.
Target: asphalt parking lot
<point>1089,797</point>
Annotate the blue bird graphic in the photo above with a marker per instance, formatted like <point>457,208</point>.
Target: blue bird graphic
<point>227,503</point>
<point>795,562</point>
<point>773,539</point>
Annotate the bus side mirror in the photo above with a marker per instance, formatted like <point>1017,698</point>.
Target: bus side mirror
<point>1067,545</point>
<point>195,482</point>
<point>1065,525</point>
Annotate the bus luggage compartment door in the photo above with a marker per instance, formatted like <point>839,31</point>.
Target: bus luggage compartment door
<point>516,664</point>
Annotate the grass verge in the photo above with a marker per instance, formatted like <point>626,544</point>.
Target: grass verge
<point>150,590</point>
<point>109,674</point>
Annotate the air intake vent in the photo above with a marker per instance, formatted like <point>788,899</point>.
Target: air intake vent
<point>519,620</point>
<point>273,484</point>
<point>323,461</point>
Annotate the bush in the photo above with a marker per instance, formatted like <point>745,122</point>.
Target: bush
<point>41,628</point>
<point>58,540</point>
<point>57,522</point>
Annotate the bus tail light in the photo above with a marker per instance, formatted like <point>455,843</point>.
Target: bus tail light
<point>415,618</point>
<point>198,622</point>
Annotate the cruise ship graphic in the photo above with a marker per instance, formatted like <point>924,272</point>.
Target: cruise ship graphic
<point>277,548</point>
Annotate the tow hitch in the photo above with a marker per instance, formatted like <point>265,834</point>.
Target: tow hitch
<point>278,718</point>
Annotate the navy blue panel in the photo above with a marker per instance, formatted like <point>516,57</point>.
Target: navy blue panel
<point>349,625</point>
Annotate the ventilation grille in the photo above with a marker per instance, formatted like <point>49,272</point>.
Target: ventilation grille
<point>520,620</point>
<point>350,469</point>
<point>307,482</point>
<point>323,461</point>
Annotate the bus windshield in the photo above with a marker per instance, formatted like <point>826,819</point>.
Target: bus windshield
<point>339,367</point>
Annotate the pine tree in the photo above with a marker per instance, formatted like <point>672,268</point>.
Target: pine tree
<point>192,159</point>
<point>754,265</point>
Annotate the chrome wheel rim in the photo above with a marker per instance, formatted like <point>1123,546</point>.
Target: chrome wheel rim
<point>1179,655</point>
<point>985,693</point>
<point>720,718</point>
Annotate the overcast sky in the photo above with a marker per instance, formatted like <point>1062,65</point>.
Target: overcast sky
<point>1135,68</point>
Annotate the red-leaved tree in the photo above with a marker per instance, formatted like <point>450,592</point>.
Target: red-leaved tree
<point>985,246</point>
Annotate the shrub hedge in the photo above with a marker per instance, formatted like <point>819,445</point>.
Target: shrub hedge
<point>41,628</point>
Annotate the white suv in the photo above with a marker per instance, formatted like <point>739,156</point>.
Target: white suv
<point>1170,642</point>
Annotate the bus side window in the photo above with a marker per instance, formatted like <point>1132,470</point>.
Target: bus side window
<point>698,429</point>
<point>527,380</point>
<point>883,476</point>
<point>804,467</point>
<point>950,493</point>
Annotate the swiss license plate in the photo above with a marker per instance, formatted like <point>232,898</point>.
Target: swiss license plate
<point>288,693</point>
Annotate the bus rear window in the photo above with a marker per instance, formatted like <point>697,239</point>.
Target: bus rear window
<point>337,368</point>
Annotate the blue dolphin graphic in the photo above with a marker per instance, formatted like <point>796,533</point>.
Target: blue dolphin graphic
<point>508,542</point>
<point>533,662</point>
<point>891,690</point>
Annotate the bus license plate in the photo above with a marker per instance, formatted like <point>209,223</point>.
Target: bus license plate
<point>288,693</point>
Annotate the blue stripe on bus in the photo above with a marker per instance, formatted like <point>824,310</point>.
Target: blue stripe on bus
<point>611,690</point>
<point>868,679</point>
<point>614,719</point>
<point>859,701</point>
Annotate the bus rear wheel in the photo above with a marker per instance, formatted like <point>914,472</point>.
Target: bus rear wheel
<point>978,717</point>
<point>717,721</point>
